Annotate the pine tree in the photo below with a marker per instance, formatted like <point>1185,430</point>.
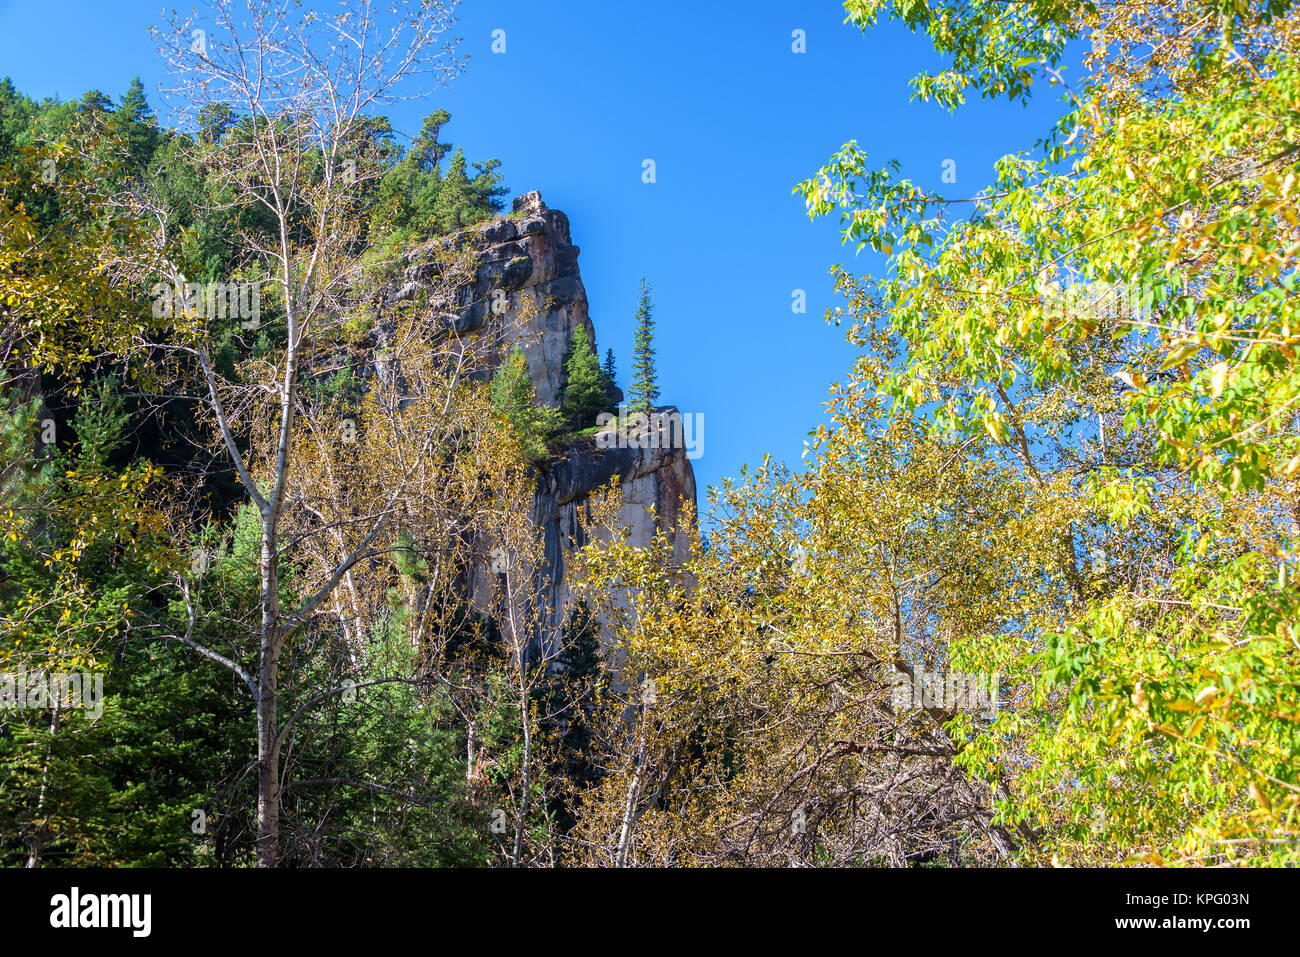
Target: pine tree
<point>645,387</point>
<point>95,101</point>
<point>514,397</point>
<point>416,199</point>
<point>454,206</point>
<point>135,120</point>
<point>214,120</point>
<point>428,149</point>
<point>585,393</point>
<point>612,394</point>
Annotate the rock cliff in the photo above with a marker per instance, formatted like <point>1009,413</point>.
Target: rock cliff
<point>527,288</point>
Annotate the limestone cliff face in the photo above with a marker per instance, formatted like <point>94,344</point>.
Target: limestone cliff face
<point>527,291</point>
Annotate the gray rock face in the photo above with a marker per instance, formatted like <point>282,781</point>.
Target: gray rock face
<point>658,479</point>
<point>531,259</point>
<point>527,283</point>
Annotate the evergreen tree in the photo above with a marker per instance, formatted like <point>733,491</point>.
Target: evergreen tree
<point>514,397</point>
<point>95,102</point>
<point>412,190</point>
<point>16,112</point>
<point>135,121</point>
<point>612,393</point>
<point>488,193</point>
<point>416,199</point>
<point>214,120</point>
<point>645,387</point>
<point>429,148</point>
<point>120,788</point>
<point>454,206</point>
<point>586,393</point>
<point>134,105</point>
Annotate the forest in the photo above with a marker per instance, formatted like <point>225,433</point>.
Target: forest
<point>272,586</point>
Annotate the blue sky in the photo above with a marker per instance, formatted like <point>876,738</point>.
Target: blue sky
<point>732,117</point>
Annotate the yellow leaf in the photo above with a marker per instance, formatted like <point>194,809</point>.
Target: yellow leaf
<point>993,425</point>
<point>1180,355</point>
<point>1132,378</point>
<point>1218,378</point>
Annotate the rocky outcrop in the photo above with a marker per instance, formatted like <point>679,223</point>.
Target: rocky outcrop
<point>526,290</point>
<point>526,286</point>
<point>657,485</point>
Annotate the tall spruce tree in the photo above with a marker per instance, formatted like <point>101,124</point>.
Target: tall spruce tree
<point>612,393</point>
<point>645,387</point>
<point>585,393</point>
